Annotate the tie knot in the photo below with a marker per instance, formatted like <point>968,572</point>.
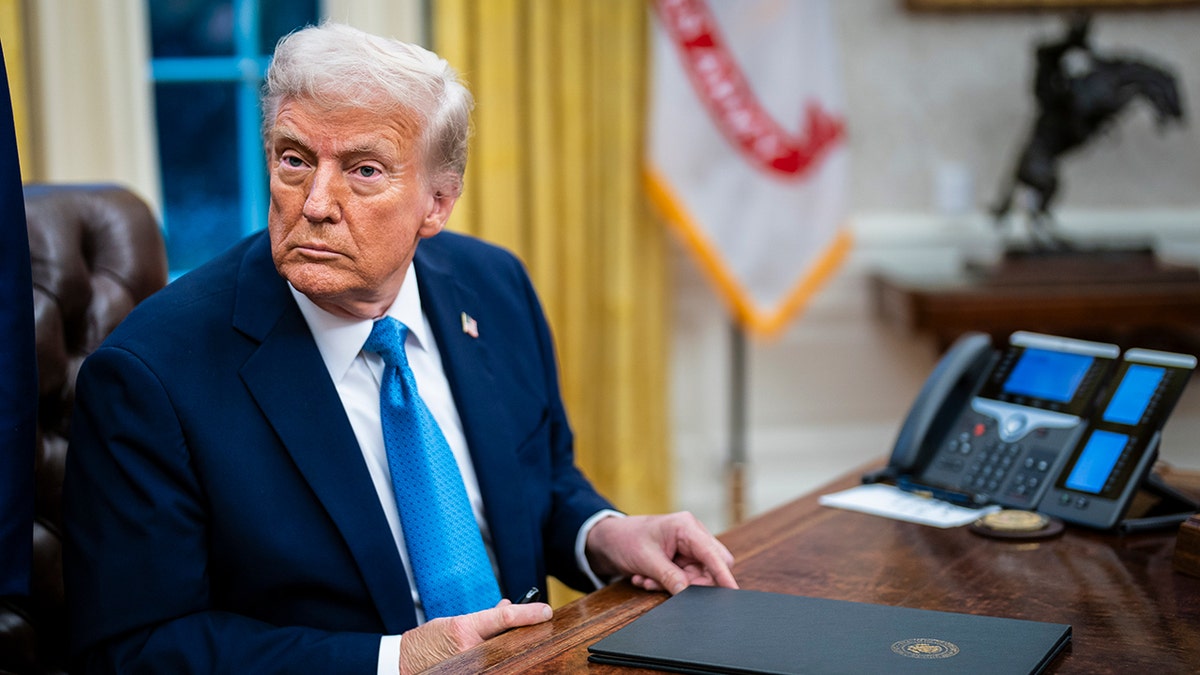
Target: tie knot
<point>387,339</point>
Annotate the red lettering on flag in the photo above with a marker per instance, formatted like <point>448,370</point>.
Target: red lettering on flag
<point>739,115</point>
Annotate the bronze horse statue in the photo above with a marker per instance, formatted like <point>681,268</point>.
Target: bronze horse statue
<point>1079,94</point>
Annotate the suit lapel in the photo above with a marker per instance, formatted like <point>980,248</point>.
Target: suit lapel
<point>469,364</point>
<point>288,379</point>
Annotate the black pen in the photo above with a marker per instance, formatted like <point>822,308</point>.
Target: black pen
<point>944,494</point>
<point>531,595</point>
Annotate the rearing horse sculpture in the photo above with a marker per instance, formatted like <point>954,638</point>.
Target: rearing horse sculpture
<point>1079,94</point>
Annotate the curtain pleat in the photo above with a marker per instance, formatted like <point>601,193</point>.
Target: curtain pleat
<point>91,102</point>
<point>554,175</point>
<point>12,36</point>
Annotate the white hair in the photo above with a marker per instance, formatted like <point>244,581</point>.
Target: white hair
<point>338,66</point>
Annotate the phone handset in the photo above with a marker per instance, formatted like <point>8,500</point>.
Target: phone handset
<point>943,395</point>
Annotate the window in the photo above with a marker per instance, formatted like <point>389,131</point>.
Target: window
<point>208,58</point>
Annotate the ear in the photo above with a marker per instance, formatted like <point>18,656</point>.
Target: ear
<point>437,215</point>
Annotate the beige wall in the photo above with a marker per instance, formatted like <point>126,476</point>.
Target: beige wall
<point>928,89</point>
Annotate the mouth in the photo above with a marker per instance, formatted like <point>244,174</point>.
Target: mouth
<point>317,251</point>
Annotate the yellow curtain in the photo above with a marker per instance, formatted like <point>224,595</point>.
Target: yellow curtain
<point>554,174</point>
<point>12,37</point>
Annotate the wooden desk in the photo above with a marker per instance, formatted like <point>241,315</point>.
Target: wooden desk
<point>1129,611</point>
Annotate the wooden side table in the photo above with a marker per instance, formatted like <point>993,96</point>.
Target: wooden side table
<point>1129,297</point>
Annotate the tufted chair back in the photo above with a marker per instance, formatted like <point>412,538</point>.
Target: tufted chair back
<point>96,251</point>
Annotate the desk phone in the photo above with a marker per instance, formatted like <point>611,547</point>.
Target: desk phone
<point>1063,426</point>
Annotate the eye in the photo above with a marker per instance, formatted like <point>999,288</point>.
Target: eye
<point>367,171</point>
<point>290,159</point>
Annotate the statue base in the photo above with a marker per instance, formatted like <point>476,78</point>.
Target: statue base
<point>1111,262</point>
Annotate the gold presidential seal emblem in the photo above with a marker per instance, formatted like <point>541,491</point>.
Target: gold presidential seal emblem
<point>925,648</point>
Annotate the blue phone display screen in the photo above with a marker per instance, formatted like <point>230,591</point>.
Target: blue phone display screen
<point>1096,462</point>
<point>1047,375</point>
<point>1129,402</point>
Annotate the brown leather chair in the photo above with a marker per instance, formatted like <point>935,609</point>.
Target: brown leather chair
<point>96,251</point>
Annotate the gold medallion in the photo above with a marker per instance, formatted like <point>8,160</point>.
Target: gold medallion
<point>925,648</point>
<point>1014,520</point>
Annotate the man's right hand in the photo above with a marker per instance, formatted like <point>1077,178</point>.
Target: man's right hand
<point>438,640</point>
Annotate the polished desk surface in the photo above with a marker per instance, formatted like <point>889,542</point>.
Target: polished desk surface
<point>1130,612</point>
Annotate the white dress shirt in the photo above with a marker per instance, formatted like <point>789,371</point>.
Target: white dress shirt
<point>357,376</point>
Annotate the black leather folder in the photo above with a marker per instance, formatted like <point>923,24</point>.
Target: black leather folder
<point>720,630</point>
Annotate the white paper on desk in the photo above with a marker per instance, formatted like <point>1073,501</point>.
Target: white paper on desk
<point>890,501</point>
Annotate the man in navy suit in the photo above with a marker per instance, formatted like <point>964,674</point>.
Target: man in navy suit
<point>227,500</point>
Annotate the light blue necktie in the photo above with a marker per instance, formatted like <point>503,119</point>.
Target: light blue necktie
<point>445,548</point>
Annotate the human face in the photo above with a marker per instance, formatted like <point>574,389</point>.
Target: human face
<point>349,202</point>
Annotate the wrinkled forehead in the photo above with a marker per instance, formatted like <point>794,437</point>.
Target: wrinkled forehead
<point>301,118</point>
<point>405,119</point>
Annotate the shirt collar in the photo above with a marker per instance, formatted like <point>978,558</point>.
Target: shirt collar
<point>340,339</point>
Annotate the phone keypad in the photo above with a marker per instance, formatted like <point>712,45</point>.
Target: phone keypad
<point>974,459</point>
<point>1031,475</point>
<point>990,466</point>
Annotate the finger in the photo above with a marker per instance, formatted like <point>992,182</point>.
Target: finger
<point>666,574</point>
<point>696,573</point>
<point>685,541</point>
<point>645,583</point>
<point>724,551</point>
<point>489,623</point>
<point>704,541</point>
<point>698,576</point>
<point>711,553</point>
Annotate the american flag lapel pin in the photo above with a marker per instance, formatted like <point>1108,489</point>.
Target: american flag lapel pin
<point>469,325</point>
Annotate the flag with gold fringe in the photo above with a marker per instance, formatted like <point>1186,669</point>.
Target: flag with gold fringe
<point>747,156</point>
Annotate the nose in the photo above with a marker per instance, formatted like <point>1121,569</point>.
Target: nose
<point>323,203</point>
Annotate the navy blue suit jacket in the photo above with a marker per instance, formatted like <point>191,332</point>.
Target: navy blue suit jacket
<point>219,514</point>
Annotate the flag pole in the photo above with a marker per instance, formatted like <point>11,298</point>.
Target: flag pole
<point>736,467</point>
